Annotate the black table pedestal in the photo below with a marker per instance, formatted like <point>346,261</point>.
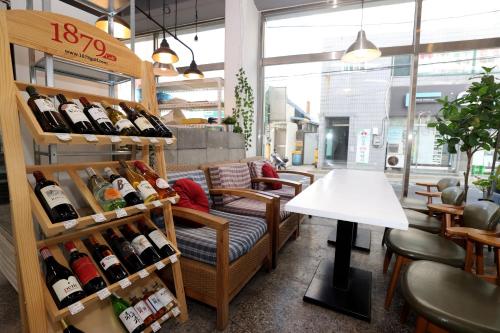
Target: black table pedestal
<point>338,286</point>
<point>361,238</point>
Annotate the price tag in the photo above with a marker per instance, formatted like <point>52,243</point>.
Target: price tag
<point>124,283</point>
<point>173,258</point>
<point>103,293</point>
<point>169,141</point>
<point>159,265</point>
<point>155,326</point>
<point>135,139</point>
<point>153,140</point>
<point>157,203</point>
<point>141,207</point>
<point>165,316</point>
<point>143,273</point>
<point>75,308</point>
<point>115,139</point>
<point>98,218</point>
<point>90,137</point>
<point>63,136</point>
<point>120,212</point>
<point>176,311</point>
<point>70,224</point>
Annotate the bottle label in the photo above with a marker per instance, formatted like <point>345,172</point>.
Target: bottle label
<point>161,183</point>
<point>54,196</point>
<point>130,319</point>
<point>143,310</point>
<point>158,238</point>
<point>165,296</point>
<point>85,270</point>
<point>109,261</point>
<point>126,249</point>
<point>140,243</point>
<point>122,124</point>
<point>143,124</point>
<point>154,303</point>
<point>123,186</point>
<point>99,115</point>
<point>45,105</point>
<point>74,113</point>
<point>111,193</point>
<point>146,190</point>
<point>65,287</point>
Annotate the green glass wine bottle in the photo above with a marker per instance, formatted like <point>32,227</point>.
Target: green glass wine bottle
<point>127,315</point>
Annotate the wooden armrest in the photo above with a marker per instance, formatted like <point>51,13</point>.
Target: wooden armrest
<point>306,174</point>
<point>491,238</point>
<point>447,209</point>
<point>246,193</point>
<point>429,194</point>
<point>277,181</point>
<point>209,220</point>
<point>426,184</point>
<point>459,231</point>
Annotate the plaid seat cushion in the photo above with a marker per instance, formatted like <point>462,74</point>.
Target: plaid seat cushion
<point>250,207</point>
<point>197,176</point>
<point>235,175</point>
<point>200,244</point>
<point>285,191</point>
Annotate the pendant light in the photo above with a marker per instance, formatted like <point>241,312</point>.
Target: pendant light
<point>192,72</point>
<point>164,54</point>
<point>121,28</point>
<point>362,49</point>
<point>196,20</point>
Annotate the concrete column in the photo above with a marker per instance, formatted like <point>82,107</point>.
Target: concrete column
<point>242,23</point>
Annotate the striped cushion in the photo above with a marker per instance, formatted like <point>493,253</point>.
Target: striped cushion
<point>197,176</point>
<point>234,175</point>
<point>285,191</point>
<point>256,172</point>
<point>200,244</point>
<point>250,207</point>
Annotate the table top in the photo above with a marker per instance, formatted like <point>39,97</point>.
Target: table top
<point>352,195</point>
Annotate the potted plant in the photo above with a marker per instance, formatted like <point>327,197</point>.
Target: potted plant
<point>229,121</point>
<point>471,121</point>
<point>484,184</point>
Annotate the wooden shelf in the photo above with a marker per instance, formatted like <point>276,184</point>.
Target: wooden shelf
<point>161,320</point>
<point>189,105</point>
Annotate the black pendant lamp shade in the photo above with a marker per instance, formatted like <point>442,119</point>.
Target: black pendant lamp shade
<point>193,72</point>
<point>164,54</point>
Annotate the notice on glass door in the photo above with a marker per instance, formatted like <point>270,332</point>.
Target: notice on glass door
<point>363,146</point>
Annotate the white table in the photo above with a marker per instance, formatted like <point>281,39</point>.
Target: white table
<point>351,197</point>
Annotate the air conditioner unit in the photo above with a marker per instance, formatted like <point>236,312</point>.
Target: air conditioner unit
<point>395,161</point>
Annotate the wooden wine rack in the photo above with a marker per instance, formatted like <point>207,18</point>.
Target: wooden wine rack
<point>39,313</point>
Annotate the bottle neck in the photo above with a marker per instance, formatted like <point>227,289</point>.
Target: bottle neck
<point>39,177</point>
<point>61,98</point>
<point>85,102</point>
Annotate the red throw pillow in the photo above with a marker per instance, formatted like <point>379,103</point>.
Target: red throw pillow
<point>191,196</point>
<point>269,171</point>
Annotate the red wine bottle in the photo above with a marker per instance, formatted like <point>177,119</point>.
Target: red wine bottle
<point>125,251</point>
<point>110,264</point>
<point>54,201</point>
<point>141,245</point>
<point>46,113</point>
<point>159,126</point>
<point>157,238</point>
<point>99,117</point>
<point>128,192</point>
<point>74,116</point>
<point>139,121</point>
<point>62,284</point>
<point>84,269</point>
<point>69,328</point>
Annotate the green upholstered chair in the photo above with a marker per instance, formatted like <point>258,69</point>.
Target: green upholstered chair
<point>414,244</point>
<point>421,205</point>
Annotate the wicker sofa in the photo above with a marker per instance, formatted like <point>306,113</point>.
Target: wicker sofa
<point>220,258</point>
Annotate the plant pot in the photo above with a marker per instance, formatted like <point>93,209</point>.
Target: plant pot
<point>230,128</point>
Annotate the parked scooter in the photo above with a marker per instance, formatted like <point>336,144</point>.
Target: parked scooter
<point>279,163</point>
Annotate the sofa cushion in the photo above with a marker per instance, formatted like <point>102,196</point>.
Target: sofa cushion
<point>201,244</point>
<point>256,172</point>
<point>191,195</point>
<point>269,171</point>
<point>286,192</point>
<point>234,175</point>
<point>197,176</point>
<point>250,207</point>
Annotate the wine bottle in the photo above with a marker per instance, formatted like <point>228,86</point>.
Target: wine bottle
<point>110,264</point>
<point>159,184</point>
<point>127,315</point>
<point>125,251</point>
<point>62,284</point>
<point>120,121</point>
<point>108,197</point>
<point>69,328</point>
<point>54,201</point>
<point>127,191</point>
<point>142,310</point>
<point>147,192</point>
<point>154,304</point>
<point>141,245</point>
<point>46,113</point>
<point>74,116</point>
<point>165,296</point>
<point>157,238</point>
<point>159,126</point>
<point>139,121</point>
<point>84,269</point>
<point>98,117</point>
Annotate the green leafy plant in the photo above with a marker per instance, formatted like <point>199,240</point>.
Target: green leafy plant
<point>244,107</point>
<point>229,120</point>
<point>484,184</point>
<point>472,121</point>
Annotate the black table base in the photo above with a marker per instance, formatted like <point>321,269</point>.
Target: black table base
<point>337,285</point>
<point>362,239</point>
